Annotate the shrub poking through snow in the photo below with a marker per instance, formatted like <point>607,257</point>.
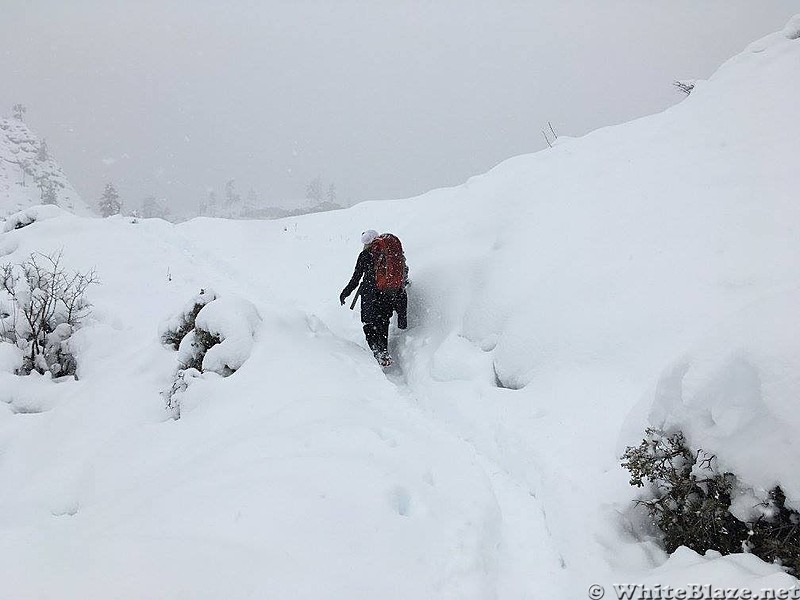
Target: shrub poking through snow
<point>232,321</point>
<point>690,503</point>
<point>180,384</point>
<point>43,304</point>
<point>179,326</point>
<point>194,347</point>
<point>211,334</point>
<point>686,86</point>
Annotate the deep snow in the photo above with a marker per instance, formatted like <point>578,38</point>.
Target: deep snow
<point>644,274</point>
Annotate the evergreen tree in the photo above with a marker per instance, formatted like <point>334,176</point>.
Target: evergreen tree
<point>211,208</point>
<point>42,153</point>
<point>110,204</point>
<point>233,201</point>
<point>18,111</point>
<point>152,208</point>
<point>27,170</point>
<point>49,195</point>
<point>47,189</point>
<point>314,190</point>
<point>251,203</point>
<point>332,193</point>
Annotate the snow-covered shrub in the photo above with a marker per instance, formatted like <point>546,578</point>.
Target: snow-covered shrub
<point>183,377</point>
<point>194,347</point>
<point>685,85</point>
<point>175,329</point>
<point>690,502</point>
<point>210,334</point>
<point>42,305</point>
<point>232,321</point>
<point>57,355</point>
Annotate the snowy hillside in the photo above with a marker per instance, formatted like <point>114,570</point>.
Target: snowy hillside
<point>29,175</point>
<point>646,274</point>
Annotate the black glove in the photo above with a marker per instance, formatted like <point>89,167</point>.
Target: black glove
<point>342,298</point>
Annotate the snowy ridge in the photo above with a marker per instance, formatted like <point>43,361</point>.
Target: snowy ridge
<point>27,171</point>
<point>645,274</point>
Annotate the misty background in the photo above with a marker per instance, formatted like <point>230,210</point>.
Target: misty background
<point>381,99</point>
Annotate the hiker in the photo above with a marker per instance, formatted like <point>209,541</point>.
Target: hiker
<point>382,266</point>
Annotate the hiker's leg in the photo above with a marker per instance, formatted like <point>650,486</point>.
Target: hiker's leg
<point>383,334</point>
<point>401,306</point>
<point>373,337</point>
<point>384,313</point>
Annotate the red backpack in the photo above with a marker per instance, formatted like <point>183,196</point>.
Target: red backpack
<point>390,263</point>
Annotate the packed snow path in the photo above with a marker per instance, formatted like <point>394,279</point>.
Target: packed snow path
<point>504,547</point>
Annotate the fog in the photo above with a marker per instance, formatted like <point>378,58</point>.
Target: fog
<point>383,99</point>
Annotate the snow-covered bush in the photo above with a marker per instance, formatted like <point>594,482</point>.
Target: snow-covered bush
<point>685,85</point>
<point>693,504</point>
<point>178,327</point>
<point>232,321</point>
<point>207,322</point>
<point>42,304</point>
<point>194,347</point>
<point>183,377</point>
<point>210,334</point>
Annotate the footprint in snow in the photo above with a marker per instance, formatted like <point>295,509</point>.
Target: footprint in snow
<point>400,500</point>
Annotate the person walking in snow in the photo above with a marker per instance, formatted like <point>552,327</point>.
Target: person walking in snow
<point>382,270</point>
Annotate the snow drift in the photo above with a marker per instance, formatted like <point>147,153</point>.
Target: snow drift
<point>651,266</point>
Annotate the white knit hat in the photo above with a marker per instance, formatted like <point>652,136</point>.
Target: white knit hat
<point>368,236</point>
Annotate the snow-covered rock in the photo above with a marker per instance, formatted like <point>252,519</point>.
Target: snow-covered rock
<point>29,175</point>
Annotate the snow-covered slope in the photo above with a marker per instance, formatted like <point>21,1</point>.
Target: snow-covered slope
<point>644,274</point>
<point>27,171</point>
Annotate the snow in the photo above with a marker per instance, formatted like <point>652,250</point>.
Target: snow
<point>10,357</point>
<point>646,274</point>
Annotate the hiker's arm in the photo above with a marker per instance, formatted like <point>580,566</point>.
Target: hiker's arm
<point>353,284</point>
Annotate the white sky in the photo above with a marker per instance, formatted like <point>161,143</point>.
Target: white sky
<point>386,98</point>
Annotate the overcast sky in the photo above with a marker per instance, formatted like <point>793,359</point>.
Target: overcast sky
<point>384,98</point>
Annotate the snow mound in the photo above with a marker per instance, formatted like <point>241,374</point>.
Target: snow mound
<point>710,575</point>
<point>30,215</point>
<point>735,395</point>
<point>10,358</point>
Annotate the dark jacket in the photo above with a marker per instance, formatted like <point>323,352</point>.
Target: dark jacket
<point>376,305</point>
